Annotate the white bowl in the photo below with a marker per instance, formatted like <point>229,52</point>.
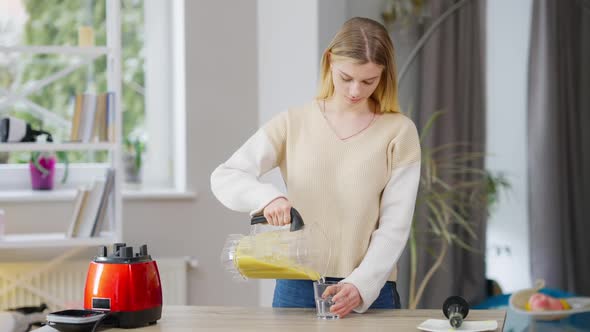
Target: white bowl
<point>518,301</point>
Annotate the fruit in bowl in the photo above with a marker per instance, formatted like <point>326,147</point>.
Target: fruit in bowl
<point>543,302</point>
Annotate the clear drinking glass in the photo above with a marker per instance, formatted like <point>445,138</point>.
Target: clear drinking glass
<point>323,305</point>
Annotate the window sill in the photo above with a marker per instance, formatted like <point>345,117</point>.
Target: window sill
<point>26,196</point>
<point>157,194</point>
<point>65,195</point>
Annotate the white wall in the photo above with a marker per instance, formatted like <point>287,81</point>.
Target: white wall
<point>366,8</point>
<point>222,102</point>
<point>288,54</point>
<point>287,71</point>
<point>508,24</point>
<point>332,13</point>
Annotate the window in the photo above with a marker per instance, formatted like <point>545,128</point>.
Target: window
<point>152,80</point>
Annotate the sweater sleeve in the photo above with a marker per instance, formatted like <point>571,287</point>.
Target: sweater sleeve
<point>395,220</point>
<point>236,183</point>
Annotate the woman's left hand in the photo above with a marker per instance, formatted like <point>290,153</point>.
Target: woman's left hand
<point>346,297</point>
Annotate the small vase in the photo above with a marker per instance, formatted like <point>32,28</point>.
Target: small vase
<point>132,173</point>
<point>40,181</point>
<point>4,157</point>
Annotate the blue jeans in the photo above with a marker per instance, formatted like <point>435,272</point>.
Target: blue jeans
<point>299,294</point>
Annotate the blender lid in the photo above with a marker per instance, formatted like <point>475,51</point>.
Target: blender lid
<point>122,254</point>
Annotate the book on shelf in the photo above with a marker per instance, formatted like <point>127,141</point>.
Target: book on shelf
<point>90,207</point>
<point>76,118</point>
<point>110,117</point>
<point>100,118</point>
<point>93,118</point>
<point>81,195</point>
<point>104,202</point>
<point>88,116</point>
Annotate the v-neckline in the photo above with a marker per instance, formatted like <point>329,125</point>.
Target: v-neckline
<point>333,133</point>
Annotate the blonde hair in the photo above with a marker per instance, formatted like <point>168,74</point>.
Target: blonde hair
<point>362,40</point>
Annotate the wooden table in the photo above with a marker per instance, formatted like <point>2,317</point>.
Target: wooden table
<point>192,318</point>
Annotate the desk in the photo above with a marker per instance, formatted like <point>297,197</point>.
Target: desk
<point>188,318</point>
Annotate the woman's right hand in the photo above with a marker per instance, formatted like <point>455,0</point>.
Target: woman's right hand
<point>278,212</point>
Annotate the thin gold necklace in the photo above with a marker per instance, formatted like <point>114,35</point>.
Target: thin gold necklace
<point>323,109</point>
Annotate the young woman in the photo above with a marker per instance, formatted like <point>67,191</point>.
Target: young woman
<point>351,163</point>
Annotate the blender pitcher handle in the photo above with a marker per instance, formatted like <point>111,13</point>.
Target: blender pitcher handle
<point>296,220</point>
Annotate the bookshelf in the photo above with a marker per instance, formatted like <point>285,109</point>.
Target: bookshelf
<point>14,147</point>
<point>51,240</point>
<point>27,195</point>
<point>38,243</point>
<point>63,50</point>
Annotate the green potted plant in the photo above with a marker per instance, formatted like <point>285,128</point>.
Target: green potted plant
<point>135,144</point>
<point>4,157</point>
<point>446,206</point>
<point>42,169</point>
<point>403,11</point>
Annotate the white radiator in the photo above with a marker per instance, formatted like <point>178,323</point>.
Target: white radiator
<point>65,284</point>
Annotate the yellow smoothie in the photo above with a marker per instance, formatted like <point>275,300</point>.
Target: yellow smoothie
<point>274,267</point>
<point>253,268</point>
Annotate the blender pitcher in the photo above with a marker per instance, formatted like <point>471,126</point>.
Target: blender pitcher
<point>278,252</point>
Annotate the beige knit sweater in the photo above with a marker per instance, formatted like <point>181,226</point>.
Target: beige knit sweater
<point>361,191</point>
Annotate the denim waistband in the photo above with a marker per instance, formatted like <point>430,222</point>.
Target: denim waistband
<point>339,279</point>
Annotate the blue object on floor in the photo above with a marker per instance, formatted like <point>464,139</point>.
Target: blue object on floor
<point>494,302</point>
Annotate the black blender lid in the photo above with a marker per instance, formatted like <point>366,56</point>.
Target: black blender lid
<point>122,254</point>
